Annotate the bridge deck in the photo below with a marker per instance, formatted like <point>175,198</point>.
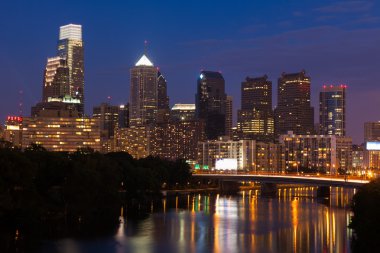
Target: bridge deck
<point>287,179</point>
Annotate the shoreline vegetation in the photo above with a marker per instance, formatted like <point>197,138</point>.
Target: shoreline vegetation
<point>365,221</point>
<point>54,194</point>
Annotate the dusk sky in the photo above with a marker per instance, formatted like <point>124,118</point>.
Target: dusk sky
<point>336,42</point>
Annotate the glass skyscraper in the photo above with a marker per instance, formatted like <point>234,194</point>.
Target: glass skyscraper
<point>332,110</point>
<point>210,103</point>
<point>70,48</point>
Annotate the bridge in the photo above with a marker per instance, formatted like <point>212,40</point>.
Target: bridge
<point>269,181</point>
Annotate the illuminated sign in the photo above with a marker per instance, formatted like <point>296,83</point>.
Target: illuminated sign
<point>226,164</point>
<point>205,167</point>
<point>197,166</point>
<point>373,145</point>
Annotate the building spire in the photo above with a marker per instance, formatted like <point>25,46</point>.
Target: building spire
<point>145,47</point>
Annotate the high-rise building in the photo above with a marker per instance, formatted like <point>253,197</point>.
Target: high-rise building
<point>163,110</point>
<point>123,116</point>
<point>70,48</point>
<point>255,119</point>
<point>332,110</point>
<point>143,103</point>
<point>108,116</point>
<point>229,115</point>
<point>372,131</point>
<point>182,112</point>
<point>294,112</point>
<point>210,103</point>
<point>56,79</point>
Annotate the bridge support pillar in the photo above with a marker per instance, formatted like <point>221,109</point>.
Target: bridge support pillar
<point>229,187</point>
<point>268,189</point>
<point>323,192</point>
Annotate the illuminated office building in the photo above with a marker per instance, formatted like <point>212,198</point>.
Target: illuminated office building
<point>293,111</point>
<point>332,110</point>
<point>61,133</point>
<point>143,103</point>
<point>13,131</point>
<point>56,79</point>
<point>108,116</point>
<point>163,110</point>
<point>123,116</point>
<point>357,158</point>
<point>70,48</point>
<point>240,155</point>
<point>317,153</point>
<point>210,103</point>
<point>182,112</point>
<point>255,119</point>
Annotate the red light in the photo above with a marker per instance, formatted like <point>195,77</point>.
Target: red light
<point>324,86</point>
<point>331,86</point>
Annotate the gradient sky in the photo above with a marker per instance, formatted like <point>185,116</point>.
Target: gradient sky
<point>334,41</point>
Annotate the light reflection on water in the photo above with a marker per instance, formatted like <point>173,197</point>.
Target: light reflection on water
<point>294,221</point>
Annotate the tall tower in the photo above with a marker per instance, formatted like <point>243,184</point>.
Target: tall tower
<point>332,110</point>
<point>255,119</point>
<point>162,99</point>
<point>294,112</point>
<point>143,95</point>
<point>229,114</point>
<point>56,79</point>
<point>70,48</point>
<point>210,103</point>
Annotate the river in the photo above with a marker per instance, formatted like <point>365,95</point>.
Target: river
<point>294,221</point>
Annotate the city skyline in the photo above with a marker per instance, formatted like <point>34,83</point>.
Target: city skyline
<point>183,55</point>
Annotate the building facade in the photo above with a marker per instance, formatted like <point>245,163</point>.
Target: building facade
<point>70,48</point>
<point>13,131</point>
<point>134,140</point>
<point>332,110</point>
<point>163,110</point>
<point>210,103</point>
<point>182,112</point>
<point>61,133</point>
<point>317,153</point>
<point>248,155</point>
<point>229,115</point>
<point>293,111</point>
<point>372,145</point>
<point>143,103</point>
<point>255,119</point>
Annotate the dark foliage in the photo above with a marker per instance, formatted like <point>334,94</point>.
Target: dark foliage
<point>79,193</point>
<point>366,219</point>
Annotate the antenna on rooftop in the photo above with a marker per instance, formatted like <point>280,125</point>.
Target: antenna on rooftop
<point>145,47</point>
<point>20,102</point>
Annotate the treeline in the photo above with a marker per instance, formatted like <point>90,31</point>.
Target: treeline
<point>77,190</point>
<point>366,219</point>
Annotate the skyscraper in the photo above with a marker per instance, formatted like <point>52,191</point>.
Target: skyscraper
<point>162,99</point>
<point>255,119</point>
<point>332,110</point>
<point>294,112</point>
<point>229,114</point>
<point>56,79</point>
<point>210,102</point>
<point>70,48</point>
<point>143,95</point>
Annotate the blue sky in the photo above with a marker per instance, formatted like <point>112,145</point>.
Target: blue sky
<point>334,41</point>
